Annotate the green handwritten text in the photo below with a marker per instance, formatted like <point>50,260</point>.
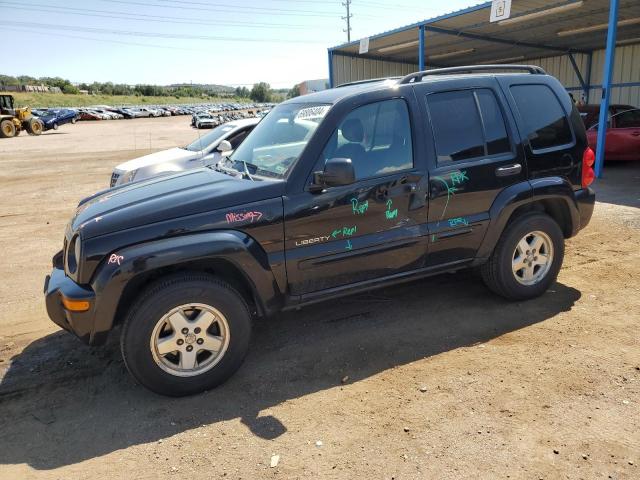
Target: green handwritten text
<point>359,208</point>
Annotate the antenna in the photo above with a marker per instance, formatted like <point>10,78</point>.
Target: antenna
<point>347,3</point>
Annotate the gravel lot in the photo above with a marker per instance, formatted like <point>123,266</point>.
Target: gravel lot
<point>433,379</point>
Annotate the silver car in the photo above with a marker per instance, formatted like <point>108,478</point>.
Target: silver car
<point>206,150</point>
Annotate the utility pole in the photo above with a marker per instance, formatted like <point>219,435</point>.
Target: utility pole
<point>347,3</point>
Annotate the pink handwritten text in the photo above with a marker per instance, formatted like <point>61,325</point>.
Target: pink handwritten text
<point>233,217</point>
<point>115,258</point>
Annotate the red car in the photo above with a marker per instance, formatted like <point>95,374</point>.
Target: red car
<point>623,131</point>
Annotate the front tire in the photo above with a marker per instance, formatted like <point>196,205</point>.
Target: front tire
<point>7,129</point>
<point>185,334</point>
<point>527,258</point>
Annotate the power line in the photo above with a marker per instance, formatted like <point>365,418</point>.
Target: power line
<point>145,17</point>
<point>120,42</point>
<point>347,4</point>
<point>154,34</point>
<point>229,8</point>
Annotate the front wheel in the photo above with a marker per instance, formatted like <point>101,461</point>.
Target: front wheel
<point>186,333</point>
<point>526,259</point>
<point>7,128</point>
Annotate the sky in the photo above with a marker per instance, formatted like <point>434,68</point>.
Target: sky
<point>227,42</point>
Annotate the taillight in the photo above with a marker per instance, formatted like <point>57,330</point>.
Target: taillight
<point>588,175</point>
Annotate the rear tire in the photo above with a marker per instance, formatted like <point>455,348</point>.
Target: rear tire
<point>7,129</point>
<point>163,345</point>
<point>526,259</point>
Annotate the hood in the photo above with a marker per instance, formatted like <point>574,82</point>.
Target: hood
<point>163,156</point>
<point>167,197</point>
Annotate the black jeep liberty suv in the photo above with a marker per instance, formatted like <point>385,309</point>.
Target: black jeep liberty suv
<point>333,193</point>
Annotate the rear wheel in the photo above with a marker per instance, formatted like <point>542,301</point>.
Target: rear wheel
<point>7,129</point>
<point>185,334</point>
<point>526,259</point>
<point>34,126</point>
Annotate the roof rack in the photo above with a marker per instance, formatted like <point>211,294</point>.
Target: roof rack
<point>417,76</point>
<point>371,80</point>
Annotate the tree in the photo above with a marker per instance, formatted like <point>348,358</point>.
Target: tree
<point>294,92</point>
<point>261,92</point>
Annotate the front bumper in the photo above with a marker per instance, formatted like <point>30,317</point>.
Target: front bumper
<point>58,286</point>
<point>585,199</point>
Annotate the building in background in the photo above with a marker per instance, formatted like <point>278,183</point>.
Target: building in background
<point>311,86</point>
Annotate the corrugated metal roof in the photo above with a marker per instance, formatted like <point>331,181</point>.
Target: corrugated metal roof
<point>467,36</point>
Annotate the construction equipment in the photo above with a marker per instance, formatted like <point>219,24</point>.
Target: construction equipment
<point>14,120</point>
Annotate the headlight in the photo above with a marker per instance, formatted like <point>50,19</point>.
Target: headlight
<point>129,176</point>
<point>73,254</point>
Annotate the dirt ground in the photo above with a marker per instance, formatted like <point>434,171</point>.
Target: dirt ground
<point>436,379</point>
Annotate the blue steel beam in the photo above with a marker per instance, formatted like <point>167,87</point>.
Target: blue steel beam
<point>609,62</point>
<point>578,74</point>
<point>421,49</point>
<point>514,43</point>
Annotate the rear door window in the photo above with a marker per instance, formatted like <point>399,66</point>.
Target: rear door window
<point>467,124</point>
<point>544,121</point>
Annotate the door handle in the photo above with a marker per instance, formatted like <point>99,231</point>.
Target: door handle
<point>508,170</point>
<point>636,134</point>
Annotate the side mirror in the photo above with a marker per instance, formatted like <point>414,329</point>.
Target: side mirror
<point>337,172</point>
<point>224,146</point>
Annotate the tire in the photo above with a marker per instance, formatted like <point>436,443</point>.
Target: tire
<point>7,129</point>
<point>147,328</point>
<point>501,273</point>
<point>74,120</point>
<point>34,126</point>
<point>55,126</point>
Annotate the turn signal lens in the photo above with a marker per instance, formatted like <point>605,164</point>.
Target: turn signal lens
<point>75,305</point>
<point>588,175</point>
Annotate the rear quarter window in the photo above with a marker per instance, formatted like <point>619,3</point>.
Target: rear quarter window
<point>544,121</point>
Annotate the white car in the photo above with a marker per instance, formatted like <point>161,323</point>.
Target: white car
<point>205,120</point>
<point>206,150</point>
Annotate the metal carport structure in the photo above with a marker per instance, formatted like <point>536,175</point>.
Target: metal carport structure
<point>575,40</point>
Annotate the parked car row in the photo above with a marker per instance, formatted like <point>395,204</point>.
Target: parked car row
<point>221,112</point>
<point>211,120</point>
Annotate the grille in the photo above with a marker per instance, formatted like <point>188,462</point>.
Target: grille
<point>114,179</point>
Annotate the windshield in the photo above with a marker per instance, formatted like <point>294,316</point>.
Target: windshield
<point>214,135</point>
<point>278,140</point>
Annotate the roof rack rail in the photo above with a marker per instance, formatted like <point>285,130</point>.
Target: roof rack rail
<point>417,76</point>
<point>371,80</point>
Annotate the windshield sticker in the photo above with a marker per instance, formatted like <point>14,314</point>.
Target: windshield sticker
<point>234,217</point>
<point>313,113</point>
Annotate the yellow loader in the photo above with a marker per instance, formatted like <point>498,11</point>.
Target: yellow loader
<point>14,120</point>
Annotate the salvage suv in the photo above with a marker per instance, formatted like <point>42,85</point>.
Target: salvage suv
<point>337,192</point>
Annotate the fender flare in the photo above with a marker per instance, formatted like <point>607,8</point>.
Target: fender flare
<point>122,266</point>
<point>521,194</point>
